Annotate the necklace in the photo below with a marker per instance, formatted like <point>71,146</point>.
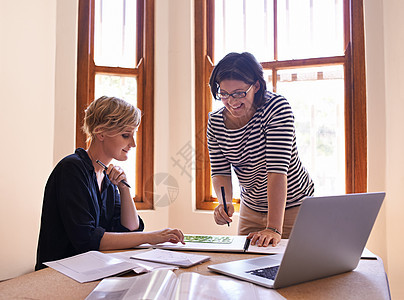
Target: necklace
<point>100,174</point>
<point>96,166</point>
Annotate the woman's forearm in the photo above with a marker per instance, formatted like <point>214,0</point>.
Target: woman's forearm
<point>276,195</point>
<point>225,181</point>
<point>126,240</point>
<point>122,240</point>
<point>129,215</point>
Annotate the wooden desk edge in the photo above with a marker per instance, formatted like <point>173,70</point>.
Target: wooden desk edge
<point>367,281</point>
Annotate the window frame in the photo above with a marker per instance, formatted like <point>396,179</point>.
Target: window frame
<point>144,71</point>
<point>353,61</point>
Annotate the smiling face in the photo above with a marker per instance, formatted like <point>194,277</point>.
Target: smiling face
<point>239,109</point>
<point>117,145</point>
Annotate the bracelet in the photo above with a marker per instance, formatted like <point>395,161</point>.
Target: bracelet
<point>274,230</point>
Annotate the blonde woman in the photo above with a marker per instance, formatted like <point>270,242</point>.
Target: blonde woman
<point>87,207</point>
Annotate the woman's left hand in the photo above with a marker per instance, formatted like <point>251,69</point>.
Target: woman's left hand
<point>264,237</point>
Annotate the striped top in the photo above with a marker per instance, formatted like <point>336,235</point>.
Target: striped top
<point>267,143</point>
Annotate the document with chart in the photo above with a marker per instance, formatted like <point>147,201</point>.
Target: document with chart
<point>219,243</point>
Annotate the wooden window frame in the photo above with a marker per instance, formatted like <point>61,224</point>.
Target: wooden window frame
<point>144,71</point>
<point>353,61</point>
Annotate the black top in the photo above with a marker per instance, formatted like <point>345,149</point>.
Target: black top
<point>75,214</point>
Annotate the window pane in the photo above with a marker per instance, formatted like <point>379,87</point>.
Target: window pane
<point>115,33</point>
<point>216,104</point>
<point>242,25</point>
<point>310,28</point>
<point>124,88</point>
<point>317,99</point>
<point>268,79</point>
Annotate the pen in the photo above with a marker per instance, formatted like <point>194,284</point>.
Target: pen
<point>224,203</point>
<point>105,168</point>
<point>246,244</point>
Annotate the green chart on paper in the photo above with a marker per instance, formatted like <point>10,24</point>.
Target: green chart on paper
<point>208,239</point>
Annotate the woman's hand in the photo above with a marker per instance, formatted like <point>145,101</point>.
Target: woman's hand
<point>116,174</point>
<point>165,235</point>
<point>264,237</point>
<point>220,215</point>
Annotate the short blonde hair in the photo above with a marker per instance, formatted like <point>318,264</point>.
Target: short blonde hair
<point>109,114</point>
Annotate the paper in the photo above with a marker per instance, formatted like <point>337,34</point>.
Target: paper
<point>141,266</point>
<point>164,284</point>
<point>278,249</point>
<point>367,254</point>
<point>89,266</point>
<point>212,239</point>
<point>171,257</point>
<point>220,244</point>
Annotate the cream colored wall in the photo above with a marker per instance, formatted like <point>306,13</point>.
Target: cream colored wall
<point>27,84</point>
<point>174,110</point>
<point>376,112</point>
<point>384,63</point>
<point>65,79</point>
<point>158,218</point>
<point>394,111</point>
<point>176,31</point>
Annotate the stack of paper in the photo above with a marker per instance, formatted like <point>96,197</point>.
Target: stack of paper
<point>94,265</point>
<point>141,266</point>
<point>89,266</point>
<point>181,259</point>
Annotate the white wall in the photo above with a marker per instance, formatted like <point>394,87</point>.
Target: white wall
<point>27,84</point>
<point>37,80</point>
<point>384,63</point>
<point>65,79</point>
<point>179,31</point>
<point>376,113</point>
<point>174,116</point>
<point>394,99</point>
<point>158,218</point>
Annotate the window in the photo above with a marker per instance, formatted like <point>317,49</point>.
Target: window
<point>312,52</point>
<point>115,58</point>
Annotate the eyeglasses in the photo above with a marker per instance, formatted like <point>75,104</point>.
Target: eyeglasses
<point>236,95</point>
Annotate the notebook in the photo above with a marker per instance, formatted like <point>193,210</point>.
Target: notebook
<point>217,243</point>
<point>328,238</point>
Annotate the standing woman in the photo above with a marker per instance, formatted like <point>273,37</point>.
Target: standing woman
<point>88,208</point>
<point>254,133</point>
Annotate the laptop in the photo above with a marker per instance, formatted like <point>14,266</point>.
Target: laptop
<point>328,238</point>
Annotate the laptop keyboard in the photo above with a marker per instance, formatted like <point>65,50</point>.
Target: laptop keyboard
<point>269,272</point>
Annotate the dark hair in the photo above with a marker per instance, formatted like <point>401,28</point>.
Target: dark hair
<point>239,66</point>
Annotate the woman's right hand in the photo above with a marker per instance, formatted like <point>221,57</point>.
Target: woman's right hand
<point>166,235</point>
<point>220,215</point>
